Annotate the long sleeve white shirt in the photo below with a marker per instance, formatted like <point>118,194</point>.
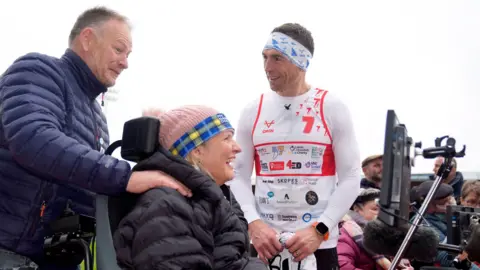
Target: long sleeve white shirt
<point>345,149</point>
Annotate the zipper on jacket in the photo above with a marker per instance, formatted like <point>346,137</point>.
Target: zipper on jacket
<point>96,131</point>
<point>38,218</point>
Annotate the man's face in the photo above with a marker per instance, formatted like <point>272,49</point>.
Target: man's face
<point>373,171</point>
<point>440,205</point>
<point>438,162</point>
<point>281,73</point>
<point>109,51</point>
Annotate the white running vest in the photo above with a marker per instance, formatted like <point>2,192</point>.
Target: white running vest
<point>294,163</point>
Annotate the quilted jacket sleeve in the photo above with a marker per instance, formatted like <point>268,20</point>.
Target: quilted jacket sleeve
<point>33,116</point>
<point>158,234</point>
<point>346,252</point>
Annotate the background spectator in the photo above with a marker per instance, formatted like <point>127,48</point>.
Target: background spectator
<point>372,168</point>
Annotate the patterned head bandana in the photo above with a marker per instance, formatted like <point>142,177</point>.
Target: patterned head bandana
<point>199,134</point>
<point>293,50</point>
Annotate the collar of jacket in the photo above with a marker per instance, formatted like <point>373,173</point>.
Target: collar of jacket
<point>84,75</point>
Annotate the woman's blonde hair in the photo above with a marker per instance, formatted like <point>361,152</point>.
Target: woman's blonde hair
<point>197,164</point>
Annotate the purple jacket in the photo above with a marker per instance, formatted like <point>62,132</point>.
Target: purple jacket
<point>351,257</point>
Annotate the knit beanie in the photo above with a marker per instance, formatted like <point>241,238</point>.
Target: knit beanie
<point>185,128</point>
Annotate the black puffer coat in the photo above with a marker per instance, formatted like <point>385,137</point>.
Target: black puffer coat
<point>166,230</point>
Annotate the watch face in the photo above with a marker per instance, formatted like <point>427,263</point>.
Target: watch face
<point>322,228</point>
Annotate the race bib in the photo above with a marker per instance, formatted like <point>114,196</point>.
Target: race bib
<point>284,260</point>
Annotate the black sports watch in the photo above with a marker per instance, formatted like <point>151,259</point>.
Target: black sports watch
<point>321,229</point>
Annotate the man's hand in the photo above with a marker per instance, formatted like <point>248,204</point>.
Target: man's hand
<point>264,239</point>
<point>142,181</point>
<point>304,243</point>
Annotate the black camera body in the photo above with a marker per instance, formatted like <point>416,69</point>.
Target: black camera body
<point>68,241</point>
<point>460,222</point>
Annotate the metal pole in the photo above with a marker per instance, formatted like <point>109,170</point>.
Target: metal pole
<point>416,221</point>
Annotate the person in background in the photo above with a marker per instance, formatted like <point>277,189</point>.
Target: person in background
<point>303,144</point>
<point>471,198</point>
<point>435,216</point>
<point>471,194</point>
<point>53,135</point>
<point>454,178</point>
<point>166,230</point>
<point>372,168</point>
<point>352,254</point>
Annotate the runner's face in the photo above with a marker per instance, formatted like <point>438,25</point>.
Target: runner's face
<point>281,73</point>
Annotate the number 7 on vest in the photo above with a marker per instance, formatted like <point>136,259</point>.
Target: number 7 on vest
<point>309,121</point>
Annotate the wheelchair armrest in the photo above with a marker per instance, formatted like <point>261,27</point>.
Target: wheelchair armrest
<point>105,253</point>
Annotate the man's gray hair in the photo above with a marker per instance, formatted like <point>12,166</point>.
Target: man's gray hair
<point>93,17</point>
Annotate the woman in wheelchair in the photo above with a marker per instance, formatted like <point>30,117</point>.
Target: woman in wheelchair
<point>166,230</point>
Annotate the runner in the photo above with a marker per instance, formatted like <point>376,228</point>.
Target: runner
<point>300,138</point>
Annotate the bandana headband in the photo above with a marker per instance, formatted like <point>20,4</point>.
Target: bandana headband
<point>199,134</point>
<point>293,50</point>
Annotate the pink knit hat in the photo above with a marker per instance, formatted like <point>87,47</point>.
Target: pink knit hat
<point>185,128</point>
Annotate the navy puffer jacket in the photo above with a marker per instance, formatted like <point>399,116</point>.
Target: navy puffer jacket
<point>51,131</point>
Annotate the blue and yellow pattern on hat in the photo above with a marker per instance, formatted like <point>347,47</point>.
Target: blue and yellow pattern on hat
<point>199,134</point>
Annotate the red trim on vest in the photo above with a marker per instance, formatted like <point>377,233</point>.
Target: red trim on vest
<point>258,115</point>
<point>322,116</point>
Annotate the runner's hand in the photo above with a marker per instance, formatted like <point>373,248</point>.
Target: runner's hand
<point>264,239</point>
<point>304,243</point>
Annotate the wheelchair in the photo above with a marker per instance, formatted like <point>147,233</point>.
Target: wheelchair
<point>139,141</point>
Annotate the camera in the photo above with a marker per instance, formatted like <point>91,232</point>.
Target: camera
<point>67,243</point>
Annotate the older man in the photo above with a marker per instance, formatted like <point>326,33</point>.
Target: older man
<point>53,134</point>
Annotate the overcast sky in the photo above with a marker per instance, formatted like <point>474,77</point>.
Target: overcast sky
<point>420,58</point>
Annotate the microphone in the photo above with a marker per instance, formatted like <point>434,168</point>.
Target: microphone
<point>287,106</point>
<point>382,239</point>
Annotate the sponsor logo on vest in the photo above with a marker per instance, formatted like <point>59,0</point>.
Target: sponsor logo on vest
<point>266,200</point>
<point>311,198</point>
<point>286,200</point>
<point>314,165</point>
<point>268,126</point>
<point>277,166</point>
<point>263,200</point>
<point>292,165</point>
<point>292,181</point>
<point>267,216</point>
<point>307,217</point>
<point>317,152</point>
<point>264,166</point>
<point>287,217</point>
<point>268,180</point>
<point>262,151</point>
<point>299,150</point>
<point>310,181</point>
<point>277,151</point>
